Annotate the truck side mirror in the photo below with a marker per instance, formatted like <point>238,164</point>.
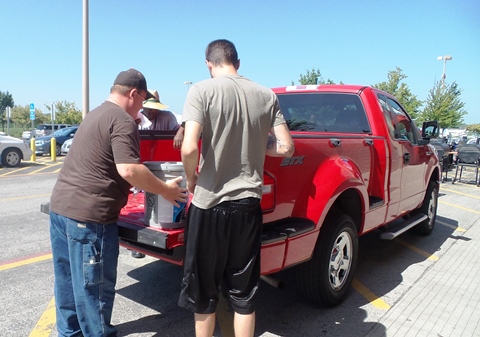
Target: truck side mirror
<point>430,130</point>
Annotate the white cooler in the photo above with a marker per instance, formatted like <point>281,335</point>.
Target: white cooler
<point>159,212</point>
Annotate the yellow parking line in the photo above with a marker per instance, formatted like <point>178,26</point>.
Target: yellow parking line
<point>429,256</point>
<point>461,193</point>
<point>376,301</point>
<point>45,324</point>
<point>25,197</point>
<point>44,168</point>
<point>37,161</point>
<point>36,171</point>
<point>25,262</point>
<point>463,184</point>
<point>48,159</point>
<point>14,171</point>
<point>26,174</point>
<point>458,229</point>
<point>461,207</point>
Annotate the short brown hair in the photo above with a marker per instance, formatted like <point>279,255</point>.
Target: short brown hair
<point>221,52</point>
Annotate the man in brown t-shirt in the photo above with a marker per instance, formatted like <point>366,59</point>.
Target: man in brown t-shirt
<point>92,187</point>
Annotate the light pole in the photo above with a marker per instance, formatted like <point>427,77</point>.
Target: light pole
<point>445,59</point>
<point>188,85</point>
<point>85,63</point>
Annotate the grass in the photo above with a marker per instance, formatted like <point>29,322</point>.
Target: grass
<point>14,132</point>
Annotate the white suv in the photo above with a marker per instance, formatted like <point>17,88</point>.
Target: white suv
<point>27,134</point>
<point>46,129</point>
<point>43,130</point>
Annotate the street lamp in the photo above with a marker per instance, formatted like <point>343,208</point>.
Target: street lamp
<point>85,63</point>
<point>445,59</point>
<point>188,85</point>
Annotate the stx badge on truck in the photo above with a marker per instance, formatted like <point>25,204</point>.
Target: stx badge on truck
<point>292,161</point>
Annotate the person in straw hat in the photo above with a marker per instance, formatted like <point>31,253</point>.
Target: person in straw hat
<point>158,119</point>
<point>157,113</point>
<point>161,118</point>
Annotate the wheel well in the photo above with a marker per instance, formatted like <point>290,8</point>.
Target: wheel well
<point>12,148</point>
<point>349,203</point>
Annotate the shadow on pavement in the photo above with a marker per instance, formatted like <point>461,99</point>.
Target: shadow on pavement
<point>284,312</point>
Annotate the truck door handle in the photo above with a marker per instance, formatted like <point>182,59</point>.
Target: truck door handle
<point>335,142</point>
<point>406,158</point>
<point>369,141</point>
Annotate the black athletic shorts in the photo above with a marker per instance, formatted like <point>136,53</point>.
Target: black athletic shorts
<point>222,249</point>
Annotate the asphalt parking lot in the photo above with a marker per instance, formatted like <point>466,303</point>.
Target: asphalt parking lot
<point>395,292</point>
<point>41,165</point>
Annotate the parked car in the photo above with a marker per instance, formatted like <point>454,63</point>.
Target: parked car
<point>43,130</point>
<point>66,146</point>
<point>46,129</point>
<point>42,144</point>
<point>473,141</point>
<point>13,151</point>
<point>27,134</point>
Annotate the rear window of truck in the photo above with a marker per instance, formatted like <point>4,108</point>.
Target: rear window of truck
<point>324,112</point>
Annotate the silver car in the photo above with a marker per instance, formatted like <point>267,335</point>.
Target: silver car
<point>13,151</point>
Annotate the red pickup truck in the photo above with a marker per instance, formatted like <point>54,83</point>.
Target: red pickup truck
<point>360,164</point>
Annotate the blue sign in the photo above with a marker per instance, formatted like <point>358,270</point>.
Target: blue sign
<point>32,111</point>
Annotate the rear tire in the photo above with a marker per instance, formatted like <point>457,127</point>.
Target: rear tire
<point>429,207</point>
<point>326,278</point>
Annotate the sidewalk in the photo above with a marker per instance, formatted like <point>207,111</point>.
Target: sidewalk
<point>446,300</point>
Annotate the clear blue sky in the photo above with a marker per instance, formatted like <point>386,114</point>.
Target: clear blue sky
<point>356,42</point>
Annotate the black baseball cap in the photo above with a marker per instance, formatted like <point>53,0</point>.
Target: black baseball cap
<point>135,79</point>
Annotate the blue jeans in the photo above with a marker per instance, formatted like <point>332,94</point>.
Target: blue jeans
<point>85,258</point>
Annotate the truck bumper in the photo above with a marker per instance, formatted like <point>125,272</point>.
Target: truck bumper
<point>149,241</point>
<point>280,240</point>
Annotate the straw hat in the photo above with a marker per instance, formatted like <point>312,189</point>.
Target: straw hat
<point>154,103</point>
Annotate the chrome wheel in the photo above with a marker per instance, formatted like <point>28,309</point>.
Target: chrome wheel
<point>429,208</point>
<point>340,260</point>
<point>432,207</point>
<point>326,277</point>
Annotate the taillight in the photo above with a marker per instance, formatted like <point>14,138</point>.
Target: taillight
<point>268,193</point>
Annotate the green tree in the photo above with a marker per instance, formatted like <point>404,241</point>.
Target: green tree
<point>444,105</point>
<point>66,113</point>
<point>21,116</point>
<point>6,99</point>
<point>475,128</point>
<point>313,76</point>
<point>401,91</point>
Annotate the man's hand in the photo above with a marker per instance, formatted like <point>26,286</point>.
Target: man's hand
<point>191,183</point>
<point>174,193</point>
<point>178,139</point>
